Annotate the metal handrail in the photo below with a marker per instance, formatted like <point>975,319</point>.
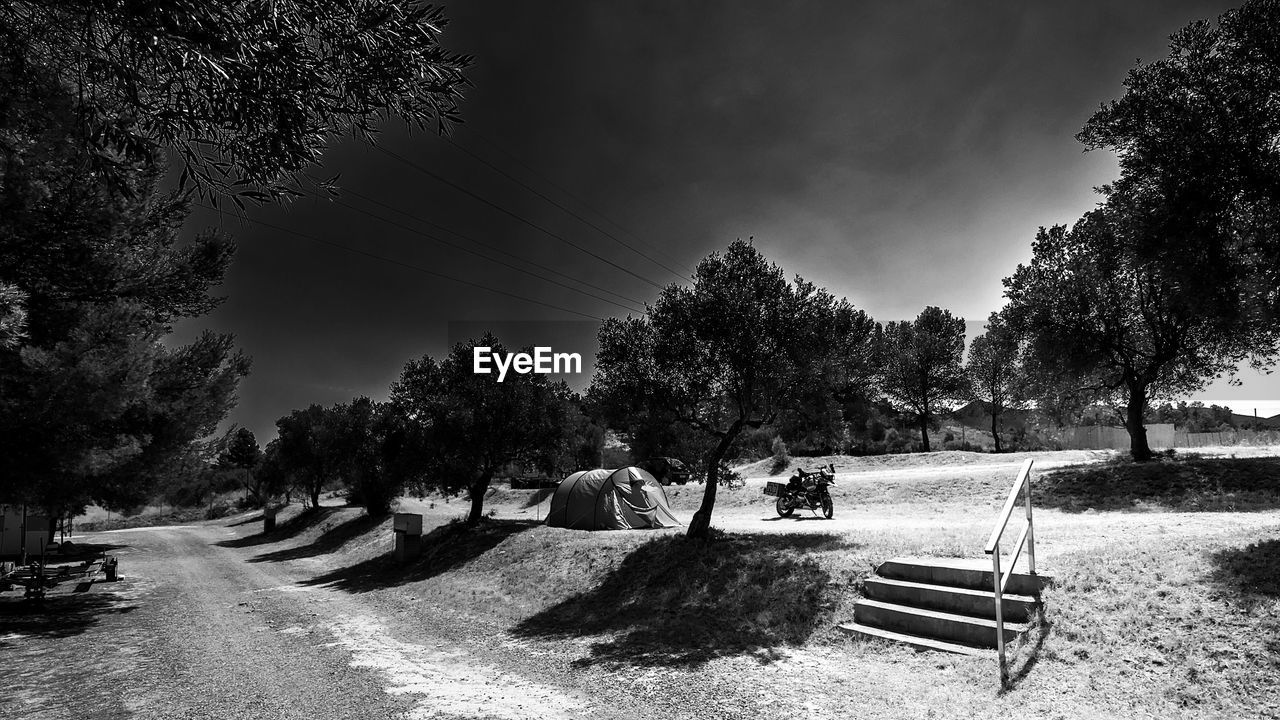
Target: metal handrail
<point>1027,538</point>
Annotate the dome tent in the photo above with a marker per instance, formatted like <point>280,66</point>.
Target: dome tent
<point>610,500</point>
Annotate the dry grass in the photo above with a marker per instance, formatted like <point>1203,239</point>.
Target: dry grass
<point>1171,615</point>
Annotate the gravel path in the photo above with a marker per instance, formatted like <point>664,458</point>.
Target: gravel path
<point>192,630</point>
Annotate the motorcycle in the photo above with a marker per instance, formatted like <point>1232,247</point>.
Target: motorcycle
<point>805,489</point>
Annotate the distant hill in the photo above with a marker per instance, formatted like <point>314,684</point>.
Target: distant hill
<point>977,414</point>
<point>1246,420</point>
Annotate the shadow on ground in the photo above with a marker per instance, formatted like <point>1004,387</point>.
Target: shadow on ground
<point>249,520</point>
<point>680,602</point>
<point>443,549</point>
<point>1250,574</point>
<point>1028,654</point>
<point>538,496</point>
<point>332,539</point>
<point>57,616</point>
<point>1185,483</point>
<point>284,530</point>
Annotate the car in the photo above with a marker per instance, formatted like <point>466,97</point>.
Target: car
<point>667,470</point>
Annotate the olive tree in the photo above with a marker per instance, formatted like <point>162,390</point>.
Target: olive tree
<point>995,373</point>
<point>1195,134</point>
<point>472,424</point>
<point>1097,315</point>
<point>246,94</point>
<point>922,365</point>
<point>731,352</point>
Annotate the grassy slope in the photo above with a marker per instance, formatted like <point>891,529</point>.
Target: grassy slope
<point>1172,614</point>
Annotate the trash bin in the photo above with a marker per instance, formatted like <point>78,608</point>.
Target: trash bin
<point>109,567</point>
<point>269,519</point>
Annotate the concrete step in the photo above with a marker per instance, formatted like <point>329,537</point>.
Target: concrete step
<point>916,641</point>
<point>948,627</point>
<point>961,601</point>
<point>974,574</point>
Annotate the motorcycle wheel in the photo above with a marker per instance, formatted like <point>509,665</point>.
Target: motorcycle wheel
<point>828,508</point>
<point>784,508</point>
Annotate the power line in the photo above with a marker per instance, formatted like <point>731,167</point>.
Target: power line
<point>442,241</point>
<point>489,247</point>
<point>511,214</point>
<point>498,148</point>
<point>399,263</point>
<point>585,221</point>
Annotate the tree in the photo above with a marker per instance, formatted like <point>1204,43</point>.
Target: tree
<point>379,450</point>
<point>246,93</point>
<point>306,450</point>
<point>995,376</point>
<point>922,365</point>
<point>1194,417</point>
<point>273,475</point>
<point>472,424</point>
<point>731,352</point>
<point>1196,133</point>
<point>242,455</point>
<point>94,405</point>
<point>1099,315</point>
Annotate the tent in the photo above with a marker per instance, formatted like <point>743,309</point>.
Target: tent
<point>610,500</point>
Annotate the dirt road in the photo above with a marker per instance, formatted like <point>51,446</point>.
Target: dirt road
<point>192,630</point>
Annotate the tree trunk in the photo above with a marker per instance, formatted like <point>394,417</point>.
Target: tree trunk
<point>1134,423</point>
<point>478,489</point>
<point>924,432</point>
<point>995,432</point>
<point>315,495</point>
<point>700,525</point>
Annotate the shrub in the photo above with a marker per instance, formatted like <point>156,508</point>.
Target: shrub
<point>781,458</point>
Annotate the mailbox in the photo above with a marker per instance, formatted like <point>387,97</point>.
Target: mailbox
<point>408,532</point>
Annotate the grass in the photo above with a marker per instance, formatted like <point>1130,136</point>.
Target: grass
<point>1195,627</point>
<point>1150,617</point>
<point>675,601</point>
<point>1181,483</point>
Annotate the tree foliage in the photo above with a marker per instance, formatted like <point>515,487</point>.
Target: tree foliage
<point>246,93</point>
<point>995,374</point>
<point>381,451</point>
<point>922,365</point>
<point>307,450</point>
<point>735,350</point>
<point>1100,316</point>
<point>1195,417</point>
<point>94,406</point>
<point>473,425</point>
<point>1197,136</point>
<point>241,455</point>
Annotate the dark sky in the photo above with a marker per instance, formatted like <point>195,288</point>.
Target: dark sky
<point>900,154</point>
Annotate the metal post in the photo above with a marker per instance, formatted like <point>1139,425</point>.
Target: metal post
<point>1031,529</point>
<point>995,567</point>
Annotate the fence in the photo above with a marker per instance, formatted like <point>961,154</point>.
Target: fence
<point>1103,437</point>
<point>1231,437</point>
<point>1159,436</point>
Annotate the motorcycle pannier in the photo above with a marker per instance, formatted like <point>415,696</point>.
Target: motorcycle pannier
<point>774,488</point>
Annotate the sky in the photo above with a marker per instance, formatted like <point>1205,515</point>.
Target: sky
<point>899,154</point>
